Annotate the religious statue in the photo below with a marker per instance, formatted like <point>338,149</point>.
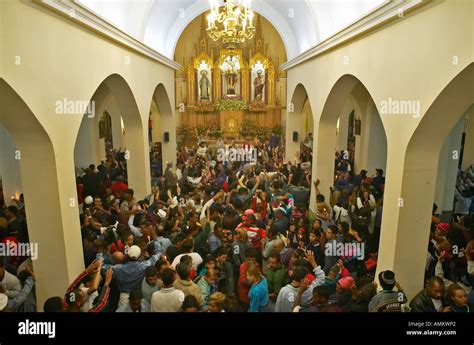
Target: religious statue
<point>259,84</point>
<point>204,87</point>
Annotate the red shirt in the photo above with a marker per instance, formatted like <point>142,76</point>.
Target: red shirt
<point>255,234</point>
<point>118,187</point>
<point>80,193</point>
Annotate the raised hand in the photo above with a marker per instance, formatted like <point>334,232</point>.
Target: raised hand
<point>108,277</point>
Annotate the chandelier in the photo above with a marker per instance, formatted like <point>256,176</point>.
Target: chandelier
<point>234,24</point>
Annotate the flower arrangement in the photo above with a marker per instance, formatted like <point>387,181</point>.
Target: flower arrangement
<point>204,107</point>
<point>278,130</point>
<point>230,105</point>
<point>185,131</point>
<point>249,128</point>
<point>257,106</point>
<point>215,133</point>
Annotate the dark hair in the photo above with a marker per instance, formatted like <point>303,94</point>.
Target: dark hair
<point>187,246</point>
<point>345,227</point>
<point>190,302</point>
<point>2,262</point>
<point>186,259</point>
<point>299,273</point>
<point>159,264</point>
<point>53,305</point>
<point>250,253</point>
<point>167,276</point>
<point>151,271</point>
<point>383,277</point>
<point>183,270</point>
<point>135,295</point>
<point>276,257</point>
<point>209,258</point>
<point>13,209</point>
<point>435,280</point>
<point>179,238</point>
<point>320,198</point>
<point>333,228</point>
<point>221,251</point>
<point>322,291</point>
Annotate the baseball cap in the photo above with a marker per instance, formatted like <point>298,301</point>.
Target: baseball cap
<point>134,252</point>
<point>162,213</point>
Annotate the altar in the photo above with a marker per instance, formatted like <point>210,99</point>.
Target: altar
<point>230,91</point>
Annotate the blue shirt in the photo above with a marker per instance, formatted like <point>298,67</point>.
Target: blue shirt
<point>214,242</point>
<point>129,275</point>
<point>258,295</point>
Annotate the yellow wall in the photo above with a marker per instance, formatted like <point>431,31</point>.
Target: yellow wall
<point>409,59</point>
<point>60,60</point>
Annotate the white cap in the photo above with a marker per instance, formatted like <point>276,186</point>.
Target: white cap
<point>88,200</point>
<point>134,252</point>
<point>3,301</point>
<point>162,213</point>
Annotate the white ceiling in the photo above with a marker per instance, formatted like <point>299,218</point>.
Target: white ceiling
<point>301,23</point>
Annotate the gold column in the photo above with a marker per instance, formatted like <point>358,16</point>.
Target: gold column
<point>245,82</point>
<point>217,83</point>
<point>191,89</point>
<point>271,85</point>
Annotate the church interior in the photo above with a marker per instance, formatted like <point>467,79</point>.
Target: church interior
<point>248,137</point>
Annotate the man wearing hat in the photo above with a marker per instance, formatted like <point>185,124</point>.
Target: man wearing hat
<point>388,300</point>
<point>130,274</point>
<point>281,221</point>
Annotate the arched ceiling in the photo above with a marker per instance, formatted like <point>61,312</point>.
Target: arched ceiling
<point>301,23</point>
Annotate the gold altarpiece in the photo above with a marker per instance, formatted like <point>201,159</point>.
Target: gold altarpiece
<point>255,100</point>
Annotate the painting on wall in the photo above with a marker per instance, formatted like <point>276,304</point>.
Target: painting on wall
<point>204,82</point>
<point>258,77</point>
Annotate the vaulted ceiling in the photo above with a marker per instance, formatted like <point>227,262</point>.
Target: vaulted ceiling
<point>301,23</point>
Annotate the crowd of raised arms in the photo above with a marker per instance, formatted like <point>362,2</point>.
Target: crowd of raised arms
<point>230,235</point>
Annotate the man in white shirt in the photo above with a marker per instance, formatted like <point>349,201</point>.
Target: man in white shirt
<point>168,299</point>
<point>188,249</point>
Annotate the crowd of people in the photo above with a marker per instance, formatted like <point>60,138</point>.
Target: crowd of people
<point>219,235</point>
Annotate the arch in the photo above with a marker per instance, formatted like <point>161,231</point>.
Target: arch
<point>46,211</point>
<point>294,120</point>
<point>116,86</point>
<point>347,87</point>
<point>418,179</point>
<point>167,123</point>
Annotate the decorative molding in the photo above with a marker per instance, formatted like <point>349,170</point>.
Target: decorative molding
<point>80,14</point>
<point>380,16</point>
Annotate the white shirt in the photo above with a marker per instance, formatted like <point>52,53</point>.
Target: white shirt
<point>88,299</point>
<point>437,304</point>
<point>197,260</point>
<point>10,284</point>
